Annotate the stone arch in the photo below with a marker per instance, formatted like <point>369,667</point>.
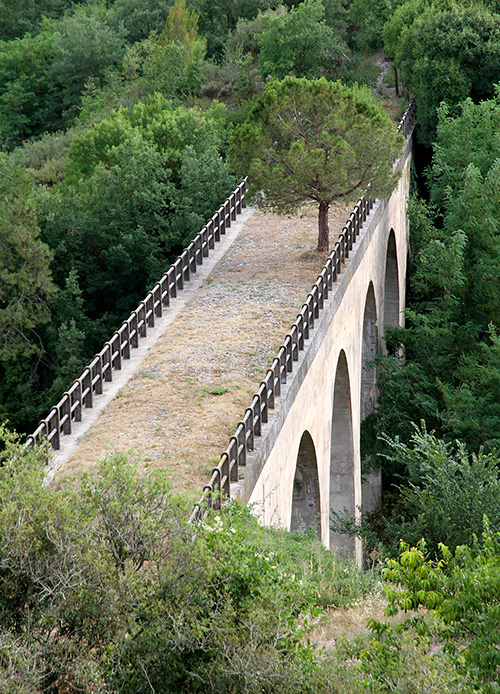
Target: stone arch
<point>342,451</point>
<point>371,488</point>
<point>369,348</point>
<point>306,498</point>
<point>391,284</point>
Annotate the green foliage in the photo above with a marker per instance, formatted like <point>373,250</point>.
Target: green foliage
<point>315,140</point>
<point>44,158</point>
<point>176,62</point>
<point>126,206</point>
<point>25,89</point>
<point>435,489</point>
<point>26,16</point>
<point>111,231</point>
<point>446,491</point>
<point>299,43</point>
<point>26,283</point>
<point>462,589</point>
<point>369,18</point>
<point>85,48</point>
<point>235,78</point>
<point>139,18</point>
<point>217,18</point>
<point>447,51</point>
<point>106,588</point>
<point>449,372</point>
<point>42,77</point>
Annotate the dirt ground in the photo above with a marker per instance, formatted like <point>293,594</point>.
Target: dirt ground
<point>186,398</point>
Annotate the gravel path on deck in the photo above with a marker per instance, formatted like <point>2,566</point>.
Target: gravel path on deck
<point>185,399</point>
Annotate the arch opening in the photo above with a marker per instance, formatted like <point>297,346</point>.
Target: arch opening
<point>306,499</point>
<point>342,454</point>
<point>369,349</point>
<point>371,488</point>
<point>391,284</point>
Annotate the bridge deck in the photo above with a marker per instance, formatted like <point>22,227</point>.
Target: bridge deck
<point>188,392</point>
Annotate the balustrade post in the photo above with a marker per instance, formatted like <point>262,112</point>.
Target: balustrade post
<point>257,421</point>
<point>55,440</point>
<point>150,310</point>
<point>244,188</point>
<point>277,377</point>
<point>141,320</point>
<point>125,340</point>
<point>249,415</point>
<point>87,387</point>
<point>106,362</point>
<point>65,413</point>
<point>269,381</point>
<point>157,302</point>
<point>263,403</point>
<point>78,398</point>
<point>116,354</point>
<point>98,377</point>
<point>234,469</point>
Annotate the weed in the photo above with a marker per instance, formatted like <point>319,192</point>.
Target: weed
<point>218,390</point>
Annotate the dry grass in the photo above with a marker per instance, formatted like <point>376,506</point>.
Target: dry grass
<point>184,401</point>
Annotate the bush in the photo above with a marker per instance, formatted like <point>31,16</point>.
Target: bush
<point>462,590</point>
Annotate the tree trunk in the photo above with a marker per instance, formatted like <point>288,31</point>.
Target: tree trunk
<point>396,80</point>
<point>323,240</point>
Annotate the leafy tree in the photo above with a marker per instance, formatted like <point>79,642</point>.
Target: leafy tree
<point>445,491</point>
<point>218,18</point>
<point>19,18</point>
<point>26,294</point>
<point>25,89</point>
<point>138,18</point>
<point>462,589</point>
<point>126,205</point>
<point>299,42</point>
<point>111,231</point>
<point>42,77</point>
<point>105,588</point>
<point>85,47</point>
<point>26,287</point>
<point>447,51</point>
<point>176,62</point>
<point>368,18</point>
<point>315,141</point>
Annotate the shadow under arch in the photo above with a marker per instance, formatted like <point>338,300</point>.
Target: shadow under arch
<point>342,452</point>
<point>391,284</point>
<point>369,348</point>
<point>306,498</point>
<point>371,487</point>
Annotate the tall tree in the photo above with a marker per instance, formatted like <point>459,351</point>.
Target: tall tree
<point>299,42</point>
<point>314,140</point>
<point>219,17</point>
<point>447,50</point>
<point>25,279</point>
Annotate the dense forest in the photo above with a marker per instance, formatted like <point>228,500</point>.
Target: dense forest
<point>114,116</point>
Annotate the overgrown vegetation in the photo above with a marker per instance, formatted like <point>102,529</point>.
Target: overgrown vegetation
<point>106,588</point>
<point>113,154</point>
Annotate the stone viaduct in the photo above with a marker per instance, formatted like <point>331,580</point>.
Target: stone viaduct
<point>306,458</point>
<point>296,453</point>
